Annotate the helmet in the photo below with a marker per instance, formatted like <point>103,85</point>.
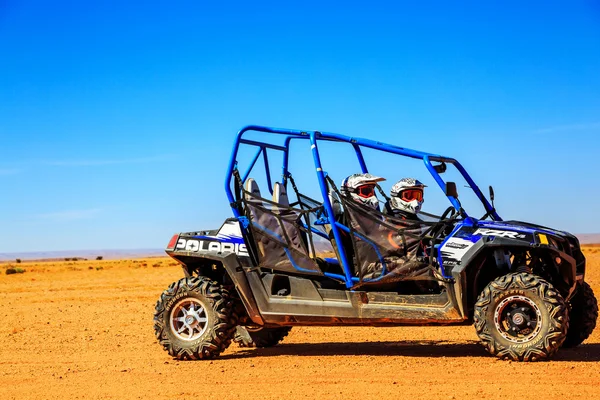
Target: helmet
<point>361,187</point>
<point>407,195</point>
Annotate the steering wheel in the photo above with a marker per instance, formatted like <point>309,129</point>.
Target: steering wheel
<point>487,214</point>
<point>437,230</point>
<point>448,214</point>
<point>451,211</point>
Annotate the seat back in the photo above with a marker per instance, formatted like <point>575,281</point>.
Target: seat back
<point>252,187</point>
<point>280,196</point>
<point>279,241</point>
<point>336,204</point>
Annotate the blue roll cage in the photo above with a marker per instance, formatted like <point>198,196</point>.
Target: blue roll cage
<point>357,144</point>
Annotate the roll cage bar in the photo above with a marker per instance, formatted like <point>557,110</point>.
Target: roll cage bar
<point>357,144</point>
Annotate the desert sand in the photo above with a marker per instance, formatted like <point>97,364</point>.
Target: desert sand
<point>83,330</point>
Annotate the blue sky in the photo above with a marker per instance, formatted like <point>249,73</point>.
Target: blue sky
<point>117,119</point>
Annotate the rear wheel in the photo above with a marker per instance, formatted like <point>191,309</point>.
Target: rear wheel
<point>246,336</point>
<point>583,314</point>
<point>521,317</point>
<point>193,319</point>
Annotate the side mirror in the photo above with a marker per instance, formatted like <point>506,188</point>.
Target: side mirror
<point>451,189</point>
<point>440,168</point>
<point>492,195</point>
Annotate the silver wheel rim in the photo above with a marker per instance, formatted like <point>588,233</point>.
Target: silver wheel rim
<point>518,318</point>
<point>188,319</point>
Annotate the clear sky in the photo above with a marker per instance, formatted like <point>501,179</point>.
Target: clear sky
<point>117,118</point>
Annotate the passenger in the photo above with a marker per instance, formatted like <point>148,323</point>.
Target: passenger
<point>406,199</point>
<point>361,187</point>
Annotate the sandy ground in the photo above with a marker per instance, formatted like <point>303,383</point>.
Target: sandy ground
<point>76,330</point>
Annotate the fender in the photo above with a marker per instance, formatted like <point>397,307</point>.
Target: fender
<point>234,268</point>
<point>565,269</point>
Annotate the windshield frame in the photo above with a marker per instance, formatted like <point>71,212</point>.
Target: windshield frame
<point>358,144</point>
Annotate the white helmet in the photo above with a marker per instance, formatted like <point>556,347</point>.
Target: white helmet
<point>407,195</point>
<point>361,187</point>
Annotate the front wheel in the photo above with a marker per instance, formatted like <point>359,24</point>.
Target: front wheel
<point>583,314</point>
<point>521,317</point>
<point>194,319</point>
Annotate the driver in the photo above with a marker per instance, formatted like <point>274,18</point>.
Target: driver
<point>405,202</point>
<point>406,199</point>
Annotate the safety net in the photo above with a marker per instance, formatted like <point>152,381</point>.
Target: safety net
<point>286,237</point>
<point>297,237</point>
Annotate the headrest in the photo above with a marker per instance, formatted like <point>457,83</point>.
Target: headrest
<point>280,195</point>
<point>252,187</point>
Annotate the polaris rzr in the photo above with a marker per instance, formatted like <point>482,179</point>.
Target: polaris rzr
<point>298,258</point>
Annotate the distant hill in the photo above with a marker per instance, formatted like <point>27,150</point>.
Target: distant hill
<point>89,254</point>
<point>589,238</point>
<point>584,238</point>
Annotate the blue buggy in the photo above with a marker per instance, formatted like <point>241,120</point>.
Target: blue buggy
<point>299,251</point>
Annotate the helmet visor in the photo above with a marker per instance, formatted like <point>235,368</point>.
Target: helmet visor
<point>412,194</point>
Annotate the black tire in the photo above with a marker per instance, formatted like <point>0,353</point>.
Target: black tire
<point>194,320</point>
<point>521,317</point>
<point>583,313</point>
<point>259,336</point>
